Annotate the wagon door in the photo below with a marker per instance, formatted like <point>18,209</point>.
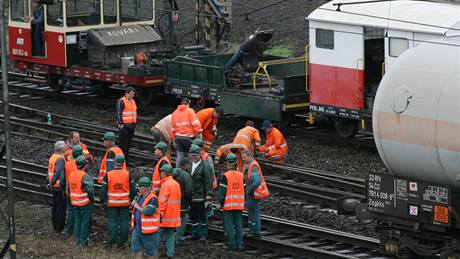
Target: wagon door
<point>374,58</point>
<point>19,29</point>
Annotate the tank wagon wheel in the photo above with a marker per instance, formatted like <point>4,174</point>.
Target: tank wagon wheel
<point>53,82</point>
<point>346,128</point>
<point>145,96</point>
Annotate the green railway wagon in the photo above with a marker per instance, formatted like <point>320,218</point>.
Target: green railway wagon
<point>271,88</point>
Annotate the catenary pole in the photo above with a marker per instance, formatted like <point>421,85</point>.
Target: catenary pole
<point>11,198</point>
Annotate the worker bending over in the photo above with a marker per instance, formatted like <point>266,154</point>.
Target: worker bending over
<point>275,148</point>
<point>209,118</point>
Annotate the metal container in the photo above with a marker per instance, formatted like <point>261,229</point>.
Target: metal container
<point>126,62</point>
<point>416,117</point>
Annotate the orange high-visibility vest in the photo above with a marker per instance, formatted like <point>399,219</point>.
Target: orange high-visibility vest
<point>275,141</point>
<point>51,167</point>
<point>69,156</point>
<point>78,197</point>
<point>129,115</point>
<point>234,199</point>
<point>118,188</point>
<point>185,123</point>
<point>156,176</point>
<point>103,169</point>
<point>262,190</point>
<point>149,224</point>
<point>70,167</point>
<point>247,136</point>
<point>169,203</point>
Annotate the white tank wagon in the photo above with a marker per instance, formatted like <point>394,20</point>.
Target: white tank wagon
<point>416,124</point>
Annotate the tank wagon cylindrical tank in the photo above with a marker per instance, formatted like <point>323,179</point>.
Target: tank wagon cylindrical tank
<point>416,124</point>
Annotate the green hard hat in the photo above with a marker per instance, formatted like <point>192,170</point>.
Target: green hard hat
<point>77,150</point>
<point>161,145</point>
<point>194,149</point>
<point>167,168</point>
<point>120,159</point>
<point>231,158</point>
<point>198,142</point>
<point>144,182</point>
<point>81,160</point>
<point>109,136</point>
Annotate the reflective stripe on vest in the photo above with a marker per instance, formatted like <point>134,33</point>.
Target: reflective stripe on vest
<point>51,167</point>
<point>129,114</point>
<point>103,168</point>
<point>170,202</point>
<point>149,224</point>
<point>156,175</point>
<point>234,198</point>
<point>78,197</point>
<point>118,188</point>
<point>262,190</point>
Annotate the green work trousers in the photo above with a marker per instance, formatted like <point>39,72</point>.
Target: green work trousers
<point>167,234</point>
<point>118,221</point>
<point>180,239</point>
<point>253,214</point>
<point>83,223</point>
<point>233,226</point>
<point>70,226</point>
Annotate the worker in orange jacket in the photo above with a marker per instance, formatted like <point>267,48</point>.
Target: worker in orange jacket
<point>126,118</point>
<point>185,127</point>
<point>275,148</point>
<point>107,162</point>
<point>169,206</point>
<point>163,159</point>
<point>208,119</point>
<point>248,136</point>
<point>231,148</point>
<point>73,140</point>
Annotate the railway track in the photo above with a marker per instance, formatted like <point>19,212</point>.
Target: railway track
<point>280,237</point>
<point>321,187</point>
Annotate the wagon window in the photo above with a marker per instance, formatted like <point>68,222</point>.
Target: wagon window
<point>398,46</point>
<point>83,13</point>
<point>110,11</point>
<point>54,15</point>
<point>19,10</point>
<point>136,10</point>
<point>325,39</point>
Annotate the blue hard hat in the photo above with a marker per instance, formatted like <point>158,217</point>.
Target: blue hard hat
<point>267,124</point>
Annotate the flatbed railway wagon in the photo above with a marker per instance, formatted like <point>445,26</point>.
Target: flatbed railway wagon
<point>88,43</point>
<point>245,83</point>
<point>353,44</point>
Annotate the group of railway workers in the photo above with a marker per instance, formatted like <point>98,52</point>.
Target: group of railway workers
<point>159,205</point>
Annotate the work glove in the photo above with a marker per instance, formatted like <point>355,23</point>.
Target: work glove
<point>214,133</point>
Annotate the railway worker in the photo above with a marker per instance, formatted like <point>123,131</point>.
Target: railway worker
<point>208,118</point>
<point>275,148</point>
<point>56,167</point>
<point>118,189</point>
<point>207,158</point>
<point>248,136</point>
<point>202,190</point>
<point>126,116</point>
<point>231,199</point>
<point>185,127</point>
<point>107,162</point>
<point>163,159</point>
<point>162,130</point>
<point>81,191</point>
<point>70,167</point>
<point>37,21</point>
<point>183,177</point>
<point>169,205</point>
<point>231,148</point>
<point>256,189</point>
<point>145,221</point>
<point>74,139</point>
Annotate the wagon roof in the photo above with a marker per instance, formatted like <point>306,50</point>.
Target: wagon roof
<point>416,16</point>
